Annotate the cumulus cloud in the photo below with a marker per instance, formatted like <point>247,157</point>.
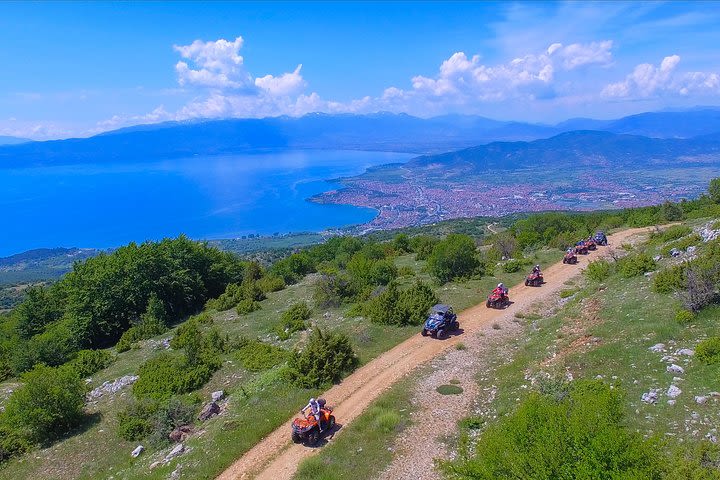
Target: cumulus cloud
<point>648,80</point>
<point>285,84</point>
<point>578,55</point>
<point>215,64</point>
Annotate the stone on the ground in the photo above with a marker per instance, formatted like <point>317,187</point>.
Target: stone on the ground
<point>658,347</point>
<point>686,351</point>
<point>180,433</point>
<point>691,249</point>
<point>675,369</point>
<point>671,402</point>
<point>209,410</point>
<point>701,399</point>
<point>177,450</point>
<point>675,252</point>
<point>673,391</point>
<point>217,396</point>
<point>138,450</point>
<point>650,397</point>
<point>657,258</point>
<point>112,387</point>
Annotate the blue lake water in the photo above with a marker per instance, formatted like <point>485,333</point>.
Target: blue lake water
<point>203,197</point>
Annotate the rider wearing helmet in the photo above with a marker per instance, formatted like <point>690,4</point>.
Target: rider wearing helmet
<point>536,269</point>
<point>501,290</point>
<point>314,407</point>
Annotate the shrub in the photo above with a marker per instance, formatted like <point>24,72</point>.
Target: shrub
<point>599,270</point>
<point>708,351</point>
<point>581,435</point>
<point>247,306</point>
<point>271,283</point>
<point>88,362</point>
<point>326,358</point>
<point>636,264</point>
<point>395,307</point>
<point>48,404</point>
<point>330,291</point>
<point>684,316</point>
<point>12,443</point>
<point>53,347</point>
<point>166,375</point>
<point>422,245</point>
<point>135,419</point>
<point>256,356</point>
<point>671,233</point>
<point>511,266</point>
<point>248,292</point>
<point>293,320</point>
<point>670,279</point>
<point>454,257</point>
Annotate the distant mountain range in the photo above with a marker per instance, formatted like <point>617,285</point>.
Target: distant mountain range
<point>381,131</point>
<point>575,149</point>
<point>4,140</point>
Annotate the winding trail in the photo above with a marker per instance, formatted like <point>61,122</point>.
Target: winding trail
<point>276,458</point>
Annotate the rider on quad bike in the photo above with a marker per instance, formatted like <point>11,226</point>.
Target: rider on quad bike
<point>314,407</point>
<point>499,297</point>
<point>309,428</point>
<point>535,278</point>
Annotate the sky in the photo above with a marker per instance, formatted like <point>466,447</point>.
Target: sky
<point>78,69</point>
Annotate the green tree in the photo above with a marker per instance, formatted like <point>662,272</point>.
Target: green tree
<point>714,190</point>
<point>326,358</point>
<point>454,257</point>
<point>48,404</point>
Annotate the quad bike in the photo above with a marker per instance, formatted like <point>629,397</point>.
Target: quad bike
<point>590,244</point>
<point>570,258</point>
<point>440,321</point>
<point>306,430</point>
<point>497,300</point>
<point>535,279</point>
<point>581,248</point>
<point>600,238</point>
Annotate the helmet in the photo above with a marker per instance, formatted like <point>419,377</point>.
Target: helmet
<point>537,266</point>
<point>312,400</point>
<point>500,285</point>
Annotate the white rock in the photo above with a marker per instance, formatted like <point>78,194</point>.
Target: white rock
<point>671,401</point>
<point>658,347</point>
<point>691,249</point>
<point>657,258</point>
<point>685,351</point>
<point>177,450</point>
<point>138,450</point>
<point>675,369</point>
<point>701,399</point>
<point>649,397</point>
<point>673,392</point>
<point>217,396</point>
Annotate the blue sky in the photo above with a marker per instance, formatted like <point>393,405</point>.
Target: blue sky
<point>75,69</point>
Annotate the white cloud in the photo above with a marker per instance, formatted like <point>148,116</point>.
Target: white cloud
<point>285,84</point>
<point>215,64</point>
<point>648,80</point>
<point>578,55</point>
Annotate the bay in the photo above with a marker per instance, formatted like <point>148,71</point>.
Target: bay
<point>204,197</point>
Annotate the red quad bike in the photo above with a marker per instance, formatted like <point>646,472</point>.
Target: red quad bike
<point>570,258</point>
<point>534,280</point>
<point>306,430</point>
<point>590,244</point>
<point>497,300</point>
<point>581,248</point>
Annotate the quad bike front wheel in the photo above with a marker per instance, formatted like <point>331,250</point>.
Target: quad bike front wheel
<point>313,437</point>
<point>424,332</point>
<point>441,334</point>
<point>331,422</point>
<point>456,325</point>
<point>295,437</point>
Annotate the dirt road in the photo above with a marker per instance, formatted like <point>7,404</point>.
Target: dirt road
<point>276,458</point>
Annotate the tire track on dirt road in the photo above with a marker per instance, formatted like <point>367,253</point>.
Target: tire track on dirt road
<point>275,457</point>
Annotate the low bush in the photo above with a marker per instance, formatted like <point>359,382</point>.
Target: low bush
<point>154,420</point>
<point>635,264</point>
<point>684,317</point>
<point>293,320</point>
<point>511,266</point>
<point>166,375</point>
<point>247,306</point>
<point>671,233</point>
<point>12,443</point>
<point>327,358</point>
<point>331,291</point>
<point>454,257</point>
<point>581,435</point>
<point>599,270</point>
<point>48,405</point>
<point>135,419</point>
<point>88,362</point>
<point>708,351</point>
<point>271,283</point>
<point>153,322</point>
<point>256,356</point>
<point>247,292</point>
<point>670,279</point>
<point>395,307</point>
